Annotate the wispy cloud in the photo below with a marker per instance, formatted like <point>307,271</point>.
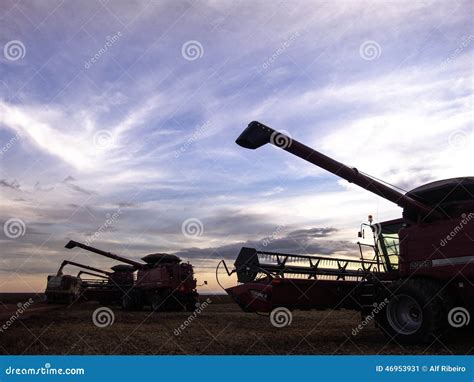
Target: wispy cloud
<point>12,185</point>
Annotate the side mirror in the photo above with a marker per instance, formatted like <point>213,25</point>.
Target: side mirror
<point>360,234</point>
<point>205,282</point>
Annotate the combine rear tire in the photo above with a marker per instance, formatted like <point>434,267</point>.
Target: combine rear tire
<point>157,303</point>
<point>128,303</point>
<point>132,301</point>
<point>415,312</point>
<point>191,304</point>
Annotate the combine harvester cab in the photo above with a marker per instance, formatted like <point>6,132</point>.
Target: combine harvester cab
<point>424,276</point>
<point>163,281</point>
<point>110,291</point>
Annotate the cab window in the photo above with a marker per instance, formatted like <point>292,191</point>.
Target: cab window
<point>389,244</point>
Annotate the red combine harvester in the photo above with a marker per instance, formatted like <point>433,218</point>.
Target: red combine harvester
<point>163,282</point>
<point>422,269</point>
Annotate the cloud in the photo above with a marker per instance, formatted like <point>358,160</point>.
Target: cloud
<point>311,233</point>
<point>307,241</point>
<point>68,182</point>
<point>14,185</point>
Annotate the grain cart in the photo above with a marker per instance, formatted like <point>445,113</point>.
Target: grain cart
<point>423,265</point>
<point>162,282</point>
<point>63,289</point>
<point>66,289</point>
<point>108,289</point>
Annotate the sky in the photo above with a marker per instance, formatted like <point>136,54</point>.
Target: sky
<point>118,122</point>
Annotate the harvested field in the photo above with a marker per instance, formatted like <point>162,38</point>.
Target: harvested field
<point>221,328</point>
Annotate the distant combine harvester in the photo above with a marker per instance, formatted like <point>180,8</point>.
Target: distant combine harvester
<point>162,282</point>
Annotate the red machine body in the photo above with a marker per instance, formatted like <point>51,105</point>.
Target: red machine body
<point>266,295</point>
<point>454,259</point>
<point>422,267</point>
<point>175,276</point>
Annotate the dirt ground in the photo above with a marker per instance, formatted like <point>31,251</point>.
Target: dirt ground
<point>221,328</point>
